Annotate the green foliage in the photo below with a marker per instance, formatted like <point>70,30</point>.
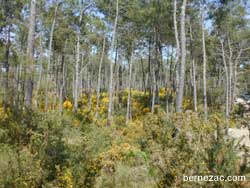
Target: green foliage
<point>52,150</point>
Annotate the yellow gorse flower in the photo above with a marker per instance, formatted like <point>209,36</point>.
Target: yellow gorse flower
<point>162,92</point>
<point>3,114</point>
<point>146,110</point>
<point>105,100</point>
<point>67,105</point>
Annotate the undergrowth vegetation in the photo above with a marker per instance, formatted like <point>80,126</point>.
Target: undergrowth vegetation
<point>153,150</point>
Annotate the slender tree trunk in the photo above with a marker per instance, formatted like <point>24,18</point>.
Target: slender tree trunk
<point>30,51</point>
<point>111,68</point>
<point>120,83</point>
<point>171,79</point>
<point>158,55</point>
<point>49,59</point>
<point>118,79</point>
<point>230,63</point>
<point>154,89</point>
<point>19,82</point>
<point>76,77</point>
<point>227,86</point>
<point>90,88</point>
<point>180,90</point>
<point>235,75</point>
<point>114,75</point>
<point>6,66</point>
<point>204,65</point>
<point>133,82</point>
<point>129,88</point>
<point>62,79</point>
<point>56,82</point>
<point>194,85</point>
<point>40,73</point>
<point>76,80</point>
<point>149,79</point>
<point>166,95</point>
<point>62,83</point>
<point>177,46</point>
<point>193,70</point>
<point>99,77</point>
<point>143,77</point>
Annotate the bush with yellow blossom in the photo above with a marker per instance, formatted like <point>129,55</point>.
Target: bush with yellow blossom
<point>64,178</point>
<point>67,105</point>
<point>3,114</point>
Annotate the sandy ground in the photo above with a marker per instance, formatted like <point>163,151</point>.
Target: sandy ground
<point>241,135</point>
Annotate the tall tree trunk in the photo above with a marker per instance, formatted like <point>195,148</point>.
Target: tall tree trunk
<point>19,82</point>
<point>149,79</point>
<point>171,78</point>
<point>154,89</point>
<point>114,75</point>
<point>118,79</point>
<point>120,82</point>
<point>230,63</point>
<point>111,68</point>
<point>6,66</point>
<point>90,87</point>
<point>177,46</point>
<point>143,77</point>
<point>193,70</point>
<point>204,65</point>
<point>62,85</point>
<point>49,59</point>
<point>99,77</point>
<point>55,83</point>
<point>166,87</point>
<point>158,58</point>
<point>235,75</point>
<point>180,91</point>
<point>62,78</point>
<point>76,80</point>
<point>29,53</point>
<point>227,86</point>
<point>128,115</point>
<point>40,74</point>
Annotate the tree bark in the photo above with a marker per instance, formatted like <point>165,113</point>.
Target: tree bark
<point>230,63</point>
<point>177,46</point>
<point>76,80</point>
<point>128,114</point>
<point>204,65</point>
<point>40,73</point>
<point>193,70</point>
<point>227,86</point>
<point>149,79</point>
<point>143,77</point>
<point>120,82</point>
<point>49,59</point>
<point>235,75</point>
<point>99,77</point>
<point>6,66</point>
<point>111,68</point>
<point>154,89</point>
<point>180,90</point>
<point>29,53</point>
